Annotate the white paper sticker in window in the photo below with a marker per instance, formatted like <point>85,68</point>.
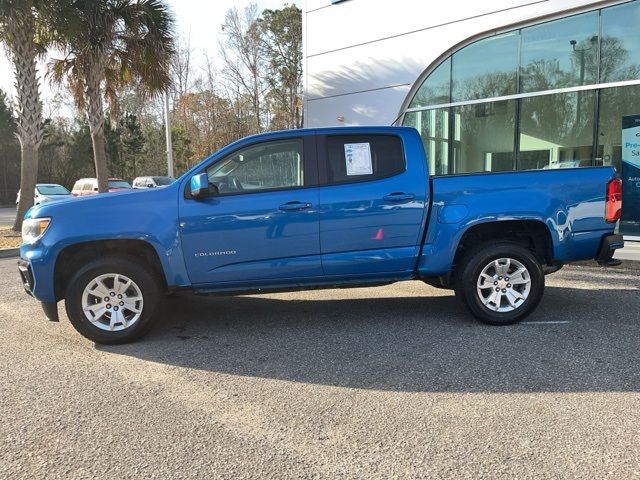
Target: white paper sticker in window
<point>358,158</point>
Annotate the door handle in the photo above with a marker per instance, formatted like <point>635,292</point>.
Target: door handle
<point>291,206</point>
<point>398,197</point>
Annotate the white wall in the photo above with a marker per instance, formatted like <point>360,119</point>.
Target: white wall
<point>363,56</point>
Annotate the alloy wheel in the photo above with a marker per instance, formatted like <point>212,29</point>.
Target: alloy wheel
<point>504,285</point>
<point>112,302</point>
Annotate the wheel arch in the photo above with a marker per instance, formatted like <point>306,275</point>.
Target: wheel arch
<point>73,256</point>
<point>532,234</point>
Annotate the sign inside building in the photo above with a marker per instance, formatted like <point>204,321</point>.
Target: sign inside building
<point>631,168</point>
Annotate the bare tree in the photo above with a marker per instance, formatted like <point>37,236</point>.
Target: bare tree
<point>245,62</point>
<point>181,71</point>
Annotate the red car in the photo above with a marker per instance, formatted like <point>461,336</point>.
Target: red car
<point>89,186</point>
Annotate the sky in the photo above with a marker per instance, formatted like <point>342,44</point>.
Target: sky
<point>197,21</point>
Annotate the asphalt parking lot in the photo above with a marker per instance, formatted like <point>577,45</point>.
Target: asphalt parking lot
<point>388,382</point>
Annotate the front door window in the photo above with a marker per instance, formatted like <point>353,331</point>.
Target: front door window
<point>267,166</point>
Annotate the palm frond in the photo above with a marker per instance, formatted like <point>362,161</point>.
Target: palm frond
<point>131,40</point>
<point>145,43</point>
<point>67,71</point>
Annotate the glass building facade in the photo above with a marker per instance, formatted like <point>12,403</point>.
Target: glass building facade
<point>549,95</point>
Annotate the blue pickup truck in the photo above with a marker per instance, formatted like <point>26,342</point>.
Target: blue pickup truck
<point>316,208</point>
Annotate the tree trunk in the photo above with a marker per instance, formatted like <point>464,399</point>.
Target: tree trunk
<point>5,195</point>
<point>256,99</point>
<point>30,129</point>
<point>28,180</point>
<point>100,159</point>
<point>95,116</point>
<point>292,108</point>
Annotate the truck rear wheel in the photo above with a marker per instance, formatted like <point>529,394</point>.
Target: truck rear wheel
<point>111,300</point>
<point>500,283</point>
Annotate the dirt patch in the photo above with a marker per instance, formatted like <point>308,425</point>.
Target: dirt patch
<point>9,238</point>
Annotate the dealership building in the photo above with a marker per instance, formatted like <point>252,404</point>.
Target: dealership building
<point>491,85</point>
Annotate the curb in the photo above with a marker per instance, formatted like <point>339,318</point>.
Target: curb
<point>629,265</point>
<point>625,265</point>
<point>9,253</point>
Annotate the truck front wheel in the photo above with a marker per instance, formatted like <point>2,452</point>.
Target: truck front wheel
<point>500,283</point>
<point>111,300</point>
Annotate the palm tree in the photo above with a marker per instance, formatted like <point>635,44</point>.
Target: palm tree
<point>18,27</point>
<point>108,44</point>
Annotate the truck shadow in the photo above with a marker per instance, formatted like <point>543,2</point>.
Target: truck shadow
<point>408,344</point>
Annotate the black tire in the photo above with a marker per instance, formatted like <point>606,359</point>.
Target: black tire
<point>130,267</point>
<point>468,272</point>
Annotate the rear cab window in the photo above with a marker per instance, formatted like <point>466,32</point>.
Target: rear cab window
<point>52,190</point>
<point>118,184</point>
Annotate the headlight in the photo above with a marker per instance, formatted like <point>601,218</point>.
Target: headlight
<point>34,228</point>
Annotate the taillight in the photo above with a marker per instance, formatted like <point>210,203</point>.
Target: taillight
<point>613,209</point>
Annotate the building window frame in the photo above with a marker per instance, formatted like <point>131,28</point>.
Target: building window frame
<point>516,28</point>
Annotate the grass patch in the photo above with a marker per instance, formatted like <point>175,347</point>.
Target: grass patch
<point>9,238</point>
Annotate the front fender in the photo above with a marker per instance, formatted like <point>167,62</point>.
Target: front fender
<point>147,215</point>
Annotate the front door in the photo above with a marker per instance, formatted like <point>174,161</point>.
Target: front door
<point>263,225</point>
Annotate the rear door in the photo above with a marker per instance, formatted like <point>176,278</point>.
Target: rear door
<point>372,204</point>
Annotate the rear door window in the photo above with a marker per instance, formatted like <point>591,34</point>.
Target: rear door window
<point>118,184</point>
<point>357,158</point>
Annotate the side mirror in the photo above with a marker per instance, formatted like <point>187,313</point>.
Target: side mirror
<point>200,186</point>
<point>150,185</point>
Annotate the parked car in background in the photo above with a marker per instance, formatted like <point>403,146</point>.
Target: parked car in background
<point>47,192</point>
<point>89,186</point>
<point>152,182</point>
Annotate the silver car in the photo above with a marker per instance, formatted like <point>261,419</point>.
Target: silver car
<point>48,192</point>
<point>152,182</point>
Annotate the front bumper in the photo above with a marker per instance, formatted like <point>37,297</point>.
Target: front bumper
<point>608,246</point>
<point>37,264</point>
<point>26,275</point>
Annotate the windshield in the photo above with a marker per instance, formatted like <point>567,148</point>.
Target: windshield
<point>118,184</point>
<point>52,190</point>
<point>163,180</point>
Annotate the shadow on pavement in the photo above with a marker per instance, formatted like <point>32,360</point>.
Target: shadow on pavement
<point>407,344</point>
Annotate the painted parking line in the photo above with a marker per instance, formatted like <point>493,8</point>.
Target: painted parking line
<point>549,322</point>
